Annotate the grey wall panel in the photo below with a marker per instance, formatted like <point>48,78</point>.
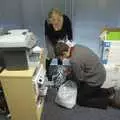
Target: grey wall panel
<point>10,13</point>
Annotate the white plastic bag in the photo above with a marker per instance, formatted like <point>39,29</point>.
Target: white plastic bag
<point>67,95</point>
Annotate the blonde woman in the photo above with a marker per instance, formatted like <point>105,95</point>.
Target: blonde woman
<point>57,27</point>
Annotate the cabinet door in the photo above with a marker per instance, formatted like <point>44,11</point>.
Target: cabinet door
<point>20,98</point>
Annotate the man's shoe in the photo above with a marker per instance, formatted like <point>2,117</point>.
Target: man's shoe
<point>114,100</point>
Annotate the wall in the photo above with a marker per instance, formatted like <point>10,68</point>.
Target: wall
<point>10,13</point>
<point>88,16</point>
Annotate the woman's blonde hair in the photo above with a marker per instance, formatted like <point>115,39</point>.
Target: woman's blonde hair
<point>54,10</point>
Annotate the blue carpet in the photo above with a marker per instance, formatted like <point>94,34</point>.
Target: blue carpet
<point>52,111</point>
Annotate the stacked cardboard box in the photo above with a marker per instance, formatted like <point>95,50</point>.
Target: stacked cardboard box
<point>110,46</point>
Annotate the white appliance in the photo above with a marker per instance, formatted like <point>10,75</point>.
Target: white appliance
<point>16,47</point>
<point>23,39</point>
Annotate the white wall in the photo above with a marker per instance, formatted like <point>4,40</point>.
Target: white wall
<point>88,16</point>
<point>10,13</point>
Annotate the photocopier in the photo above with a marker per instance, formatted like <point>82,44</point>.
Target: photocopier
<point>16,47</point>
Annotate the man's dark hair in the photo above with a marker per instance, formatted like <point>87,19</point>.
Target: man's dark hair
<point>60,48</point>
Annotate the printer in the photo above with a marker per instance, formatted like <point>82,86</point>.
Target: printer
<point>16,47</point>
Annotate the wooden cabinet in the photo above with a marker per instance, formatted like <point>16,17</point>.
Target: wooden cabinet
<point>20,94</point>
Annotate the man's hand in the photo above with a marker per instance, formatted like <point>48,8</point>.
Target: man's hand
<point>67,71</point>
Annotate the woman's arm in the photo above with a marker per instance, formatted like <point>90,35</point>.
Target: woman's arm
<point>69,29</point>
<point>46,28</point>
<point>49,33</point>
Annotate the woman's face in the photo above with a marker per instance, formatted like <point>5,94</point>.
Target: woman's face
<point>56,21</point>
